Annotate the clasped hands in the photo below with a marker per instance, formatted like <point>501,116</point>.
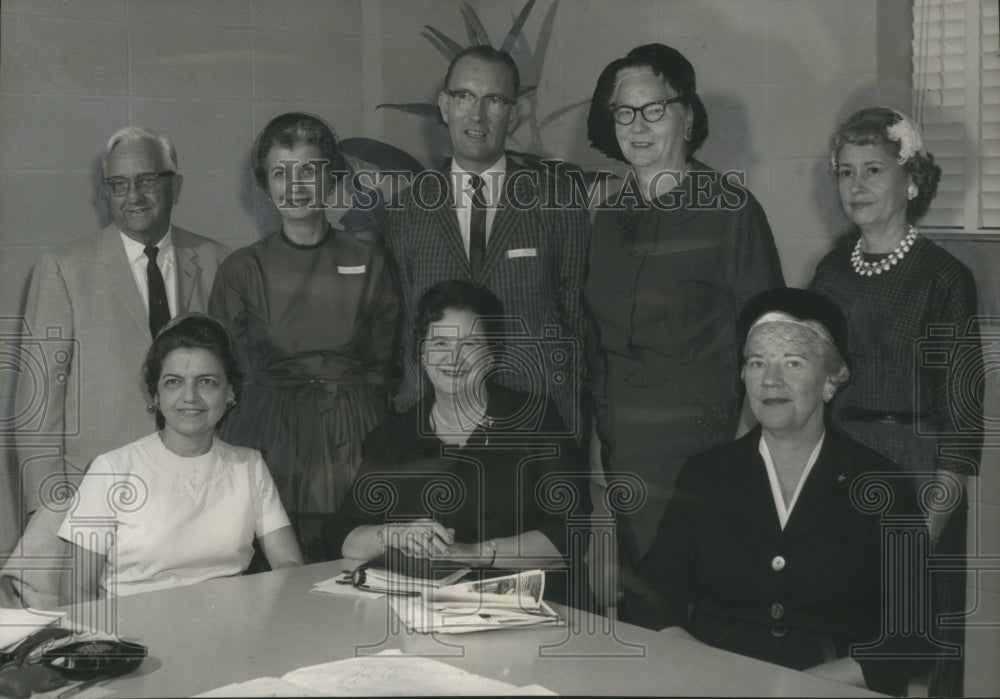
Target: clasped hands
<point>427,538</point>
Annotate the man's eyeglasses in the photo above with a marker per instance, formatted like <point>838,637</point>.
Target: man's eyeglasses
<point>147,183</point>
<point>465,101</point>
<point>651,112</point>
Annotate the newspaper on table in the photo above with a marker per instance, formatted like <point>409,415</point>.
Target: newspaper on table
<point>508,601</point>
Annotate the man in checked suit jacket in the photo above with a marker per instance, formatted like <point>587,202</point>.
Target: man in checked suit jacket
<point>534,254</point>
<point>88,301</point>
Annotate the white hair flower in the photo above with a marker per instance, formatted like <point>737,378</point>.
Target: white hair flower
<point>906,133</point>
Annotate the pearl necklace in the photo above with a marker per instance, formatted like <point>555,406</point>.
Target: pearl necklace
<point>867,269</point>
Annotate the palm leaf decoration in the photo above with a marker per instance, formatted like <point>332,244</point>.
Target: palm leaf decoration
<point>450,48</point>
<point>477,35</point>
<point>515,30</point>
<point>477,32</point>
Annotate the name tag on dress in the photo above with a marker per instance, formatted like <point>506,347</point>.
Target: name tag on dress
<point>522,252</point>
<point>360,269</point>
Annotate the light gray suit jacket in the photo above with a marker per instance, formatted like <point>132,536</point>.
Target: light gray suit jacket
<point>82,394</point>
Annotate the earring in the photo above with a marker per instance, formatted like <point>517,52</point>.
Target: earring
<point>153,406</point>
<point>827,394</point>
<point>687,133</point>
<point>231,403</point>
<point>912,191</point>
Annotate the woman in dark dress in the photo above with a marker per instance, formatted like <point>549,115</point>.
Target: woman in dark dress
<point>313,314</point>
<point>478,473</point>
<point>908,303</point>
<point>774,546</point>
<point>672,260</point>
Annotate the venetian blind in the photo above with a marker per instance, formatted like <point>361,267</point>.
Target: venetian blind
<point>956,80</point>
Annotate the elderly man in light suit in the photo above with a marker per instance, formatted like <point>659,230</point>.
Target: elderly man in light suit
<point>97,301</point>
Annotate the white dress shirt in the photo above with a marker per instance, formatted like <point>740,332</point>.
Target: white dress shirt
<point>164,260</point>
<point>493,177</point>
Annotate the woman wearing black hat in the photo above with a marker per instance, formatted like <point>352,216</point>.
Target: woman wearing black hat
<point>673,257</point>
<point>771,546</point>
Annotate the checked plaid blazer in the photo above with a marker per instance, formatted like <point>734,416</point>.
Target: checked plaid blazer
<point>535,264</point>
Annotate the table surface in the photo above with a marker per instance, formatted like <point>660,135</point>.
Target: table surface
<point>204,636</point>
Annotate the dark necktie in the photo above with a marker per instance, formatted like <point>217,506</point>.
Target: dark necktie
<point>477,229</point>
<point>159,311</point>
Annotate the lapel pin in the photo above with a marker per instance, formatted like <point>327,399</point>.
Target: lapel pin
<point>841,478</point>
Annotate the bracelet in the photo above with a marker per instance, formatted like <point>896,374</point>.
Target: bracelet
<point>493,545</point>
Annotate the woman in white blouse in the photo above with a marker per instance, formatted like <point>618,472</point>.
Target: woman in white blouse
<point>178,506</point>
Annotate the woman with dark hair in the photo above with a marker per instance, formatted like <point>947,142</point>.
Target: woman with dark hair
<point>899,290</point>
<point>313,316</point>
<point>179,506</point>
<point>772,545</point>
<point>504,457</point>
<point>672,259</point>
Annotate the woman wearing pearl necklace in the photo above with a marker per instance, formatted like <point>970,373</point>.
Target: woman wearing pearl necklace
<point>894,286</point>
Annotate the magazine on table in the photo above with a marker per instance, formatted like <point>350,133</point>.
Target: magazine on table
<point>480,601</point>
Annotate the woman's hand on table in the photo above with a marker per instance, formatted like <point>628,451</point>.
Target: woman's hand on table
<point>422,538</point>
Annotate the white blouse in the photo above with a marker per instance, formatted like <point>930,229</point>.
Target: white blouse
<point>164,520</point>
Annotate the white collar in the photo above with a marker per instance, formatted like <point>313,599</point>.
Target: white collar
<point>784,512</point>
<point>135,250</point>
<point>492,175</point>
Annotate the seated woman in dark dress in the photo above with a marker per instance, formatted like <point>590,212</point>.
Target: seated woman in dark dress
<point>772,545</point>
<point>475,472</point>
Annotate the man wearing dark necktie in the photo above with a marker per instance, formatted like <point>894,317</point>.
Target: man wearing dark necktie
<point>477,229</point>
<point>486,217</point>
<point>159,310</point>
<point>97,301</point>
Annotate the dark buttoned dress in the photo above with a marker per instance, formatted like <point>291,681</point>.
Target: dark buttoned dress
<point>722,567</point>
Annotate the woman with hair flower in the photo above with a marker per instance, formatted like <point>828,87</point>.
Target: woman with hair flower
<point>895,287</point>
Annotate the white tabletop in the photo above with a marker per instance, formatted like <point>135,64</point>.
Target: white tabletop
<point>205,636</point>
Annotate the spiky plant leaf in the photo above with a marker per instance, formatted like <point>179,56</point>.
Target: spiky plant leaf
<point>477,32</point>
<point>515,30</point>
<point>452,46</point>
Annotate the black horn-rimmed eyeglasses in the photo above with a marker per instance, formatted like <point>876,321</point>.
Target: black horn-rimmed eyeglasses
<point>651,111</point>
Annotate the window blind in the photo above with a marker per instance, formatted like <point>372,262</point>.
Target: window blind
<point>956,80</point>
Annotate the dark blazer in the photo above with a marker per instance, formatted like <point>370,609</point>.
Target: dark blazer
<point>722,567</point>
<point>535,262</point>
